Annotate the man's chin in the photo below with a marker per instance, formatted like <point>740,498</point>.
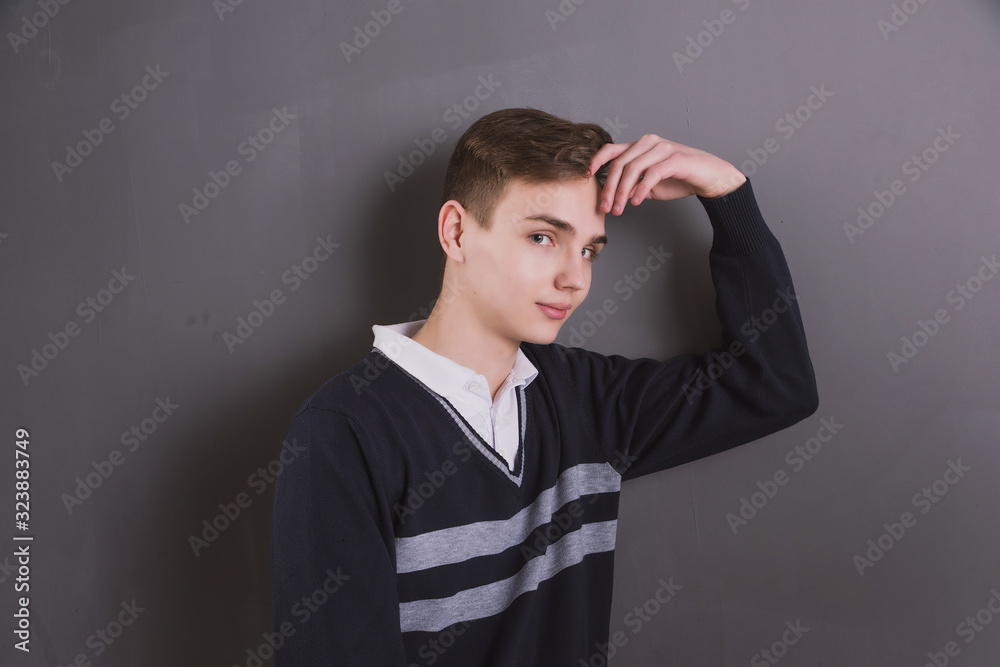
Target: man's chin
<point>543,335</point>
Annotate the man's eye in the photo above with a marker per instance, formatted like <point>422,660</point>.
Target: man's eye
<point>544,236</point>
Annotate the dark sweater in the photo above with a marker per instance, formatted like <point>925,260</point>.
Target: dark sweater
<point>401,538</point>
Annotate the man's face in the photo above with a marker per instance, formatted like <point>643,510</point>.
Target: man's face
<point>539,250</point>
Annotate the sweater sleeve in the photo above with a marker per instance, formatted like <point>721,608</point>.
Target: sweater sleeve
<point>651,415</point>
<point>333,569</point>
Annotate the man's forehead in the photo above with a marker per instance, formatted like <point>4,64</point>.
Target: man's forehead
<point>533,198</point>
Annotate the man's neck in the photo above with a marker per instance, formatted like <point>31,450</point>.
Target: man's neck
<point>466,341</point>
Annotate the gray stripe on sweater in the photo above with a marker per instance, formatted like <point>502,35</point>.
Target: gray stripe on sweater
<point>483,538</point>
<point>436,614</point>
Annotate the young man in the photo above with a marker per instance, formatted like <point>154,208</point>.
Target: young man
<point>457,499</point>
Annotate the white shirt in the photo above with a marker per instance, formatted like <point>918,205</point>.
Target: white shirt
<point>496,421</point>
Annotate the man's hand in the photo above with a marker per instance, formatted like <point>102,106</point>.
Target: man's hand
<point>655,168</point>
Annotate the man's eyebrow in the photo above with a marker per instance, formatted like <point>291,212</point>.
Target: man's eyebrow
<point>566,227</point>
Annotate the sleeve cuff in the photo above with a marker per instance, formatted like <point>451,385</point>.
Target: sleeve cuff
<point>739,229</point>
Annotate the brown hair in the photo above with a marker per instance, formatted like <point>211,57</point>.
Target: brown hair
<point>526,144</point>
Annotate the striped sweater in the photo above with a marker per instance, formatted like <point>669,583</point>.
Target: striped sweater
<point>401,538</point>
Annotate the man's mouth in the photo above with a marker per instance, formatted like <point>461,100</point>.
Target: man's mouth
<point>556,311</point>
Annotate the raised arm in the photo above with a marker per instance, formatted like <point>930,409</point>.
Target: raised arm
<point>650,415</point>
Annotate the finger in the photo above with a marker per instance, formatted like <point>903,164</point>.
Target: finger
<point>610,151</point>
<point>605,153</point>
<point>611,190</point>
<point>636,171</point>
<point>670,167</point>
<point>605,159</point>
<point>644,173</point>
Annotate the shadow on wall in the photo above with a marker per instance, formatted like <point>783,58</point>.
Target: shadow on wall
<point>219,540</point>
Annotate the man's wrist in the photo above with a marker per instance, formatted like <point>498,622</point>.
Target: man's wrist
<point>739,229</point>
<point>735,181</point>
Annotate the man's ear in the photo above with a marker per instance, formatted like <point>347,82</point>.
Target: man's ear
<point>453,220</point>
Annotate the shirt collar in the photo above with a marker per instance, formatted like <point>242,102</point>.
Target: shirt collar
<point>443,375</point>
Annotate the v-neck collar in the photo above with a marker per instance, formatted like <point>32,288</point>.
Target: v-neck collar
<point>486,452</point>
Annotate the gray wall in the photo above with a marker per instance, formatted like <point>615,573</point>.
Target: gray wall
<point>165,334</point>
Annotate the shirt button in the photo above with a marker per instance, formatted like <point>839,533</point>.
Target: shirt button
<point>474,386</point>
